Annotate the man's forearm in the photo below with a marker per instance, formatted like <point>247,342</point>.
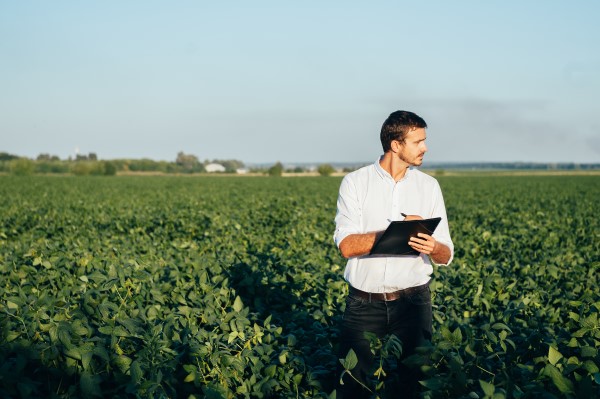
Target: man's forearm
<point>440,254</point>
<point>358,244</point>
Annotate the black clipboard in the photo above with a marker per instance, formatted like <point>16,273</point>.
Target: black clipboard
<point>394,240</point>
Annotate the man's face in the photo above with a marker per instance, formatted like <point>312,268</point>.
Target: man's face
<point>413,149</point>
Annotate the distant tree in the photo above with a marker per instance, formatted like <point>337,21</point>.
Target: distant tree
<point>188,163</point>
<point>92,156</point>
<point>81,157</point>
<point>47,157</point>
<point>110,168</point>
<point>299,169</point>
<point>325,169</point>
<point>296,169</point>
<point>81,168</point>
<point>52,166</point>
<point>144,165</point>
<point>276,170</point>
<point>22,166</point>
<point>5,156</point>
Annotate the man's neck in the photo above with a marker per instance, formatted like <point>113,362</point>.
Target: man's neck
<point>394,166</point>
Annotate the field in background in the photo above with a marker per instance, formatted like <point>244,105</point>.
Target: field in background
<point>166,286</point>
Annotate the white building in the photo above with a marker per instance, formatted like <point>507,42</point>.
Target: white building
<point>214,167</point>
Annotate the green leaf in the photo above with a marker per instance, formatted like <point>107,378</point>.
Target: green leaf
<point>270,370</point>
<point>123,362</point>
<point>297,379</point>
<point>457,336</point>
<point>90,385</point>
<point>553,355</point>
<point>105,330</point>
<point>283,357</point>
<point>501,326</point>
<point>238,305</point>
<point>574,316</point>
<point>86,358</point>
<point>561,382</point>
<point>64,335</point>
<point>119,331</point>
<point>446,334</point>
<point>190,377</point>
<point>350,361</point>
<point>591,321</point>
<point>101,352</point>
<point>591,367</point>
<point>73,353</point>
<point>136,371</point>
<point>589,351</point>
<point>434,384</point>
<point>12,335</point>
<point>132,325</point>
<point>488,388</point>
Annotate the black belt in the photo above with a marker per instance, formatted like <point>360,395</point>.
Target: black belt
<point>385,296</point>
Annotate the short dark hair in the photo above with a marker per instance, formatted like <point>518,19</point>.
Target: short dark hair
<point>397,125</point>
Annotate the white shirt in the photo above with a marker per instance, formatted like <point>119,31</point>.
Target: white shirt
<point>369,199</point>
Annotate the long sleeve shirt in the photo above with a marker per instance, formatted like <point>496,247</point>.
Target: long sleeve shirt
<point>369,199</point>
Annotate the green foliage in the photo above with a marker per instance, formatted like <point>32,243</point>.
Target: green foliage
<point>51,166</point>
<point>325,169</point>
<point>148,165</point>
<point>276,170</point>
<point>231,287</point>
<point>296,169</point>
<point>109,168</point>
<point>89,164</point>
<point>387,352</point>
<point>5,156</point>
<point>22,166</point>
<point>97,168</point>
<point>188,163</point>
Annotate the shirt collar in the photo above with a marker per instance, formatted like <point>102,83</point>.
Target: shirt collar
<point>384,174</point>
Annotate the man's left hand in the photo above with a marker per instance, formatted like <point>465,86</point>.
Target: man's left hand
<point>424,243</point>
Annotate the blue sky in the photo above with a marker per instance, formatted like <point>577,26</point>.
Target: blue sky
<point>308,81</point>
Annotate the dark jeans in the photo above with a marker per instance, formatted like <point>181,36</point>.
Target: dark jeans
<point>408,317</point>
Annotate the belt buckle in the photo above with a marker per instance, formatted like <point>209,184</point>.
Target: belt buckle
<point>385,296</point>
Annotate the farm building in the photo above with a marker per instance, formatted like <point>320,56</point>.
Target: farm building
<point>214,167</point>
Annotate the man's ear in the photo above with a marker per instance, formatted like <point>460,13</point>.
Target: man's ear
<point>395,146</point>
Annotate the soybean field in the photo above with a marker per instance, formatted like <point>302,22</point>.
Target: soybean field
<point>232,287</point>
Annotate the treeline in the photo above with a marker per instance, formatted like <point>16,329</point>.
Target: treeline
<point>90,164</point>
<point>515,166</point>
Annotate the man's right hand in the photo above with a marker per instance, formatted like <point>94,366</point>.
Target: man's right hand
<point>412,217</point>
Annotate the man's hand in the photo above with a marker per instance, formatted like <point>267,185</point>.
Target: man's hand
<point>426,244</point>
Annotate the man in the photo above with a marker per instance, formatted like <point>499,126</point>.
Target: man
<point>389,295</point>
